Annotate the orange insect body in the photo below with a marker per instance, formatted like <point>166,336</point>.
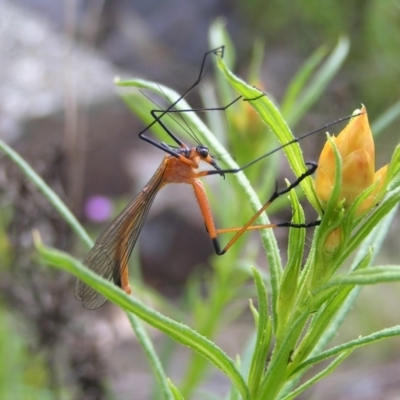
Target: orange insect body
<point>110,255</point>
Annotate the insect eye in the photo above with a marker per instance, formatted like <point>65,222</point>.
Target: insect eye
<point>202,151</point>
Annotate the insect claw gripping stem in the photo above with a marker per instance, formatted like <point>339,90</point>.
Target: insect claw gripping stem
<point>312,167</point>
<point>257,97</point>
<point>288,224</point>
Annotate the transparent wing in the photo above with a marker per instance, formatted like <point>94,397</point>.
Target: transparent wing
<point>110,254</point>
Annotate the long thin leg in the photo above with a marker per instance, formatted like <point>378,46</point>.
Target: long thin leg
<point>219,50</point>
<point>202,200</point>
<point>295,140</point>
<point>205,209</point>
<point>171,134</point>
<point>202,109</point>
<point>223,108</point>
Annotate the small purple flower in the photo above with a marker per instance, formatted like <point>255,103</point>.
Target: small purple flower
<point>98,208</point>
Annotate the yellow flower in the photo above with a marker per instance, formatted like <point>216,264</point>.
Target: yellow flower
<point>356,147</point>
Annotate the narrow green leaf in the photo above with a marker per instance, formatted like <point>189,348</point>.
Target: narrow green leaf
<point>254,311</point>
<point>270,114</point>
<point>179,332</point>
<point>352,345</point>
<point>375,239</point>
<point>218,36</point>
<point>175,391</point>
<point>288,288</point>
<point>300,79</point>
<point>325,372</point>
<point>256,61</point>
<point>387,118</point>
<point>317,329</point>
<point>320,81</point>
<point>151,355</point>
<point>327,291</point>
<point>234,393</point>
<point>370,276</point>
<point>141,107</point>
<point>263,336</point>
<point>377,217</point>
<point>276,373</point>
<point>48,193</point>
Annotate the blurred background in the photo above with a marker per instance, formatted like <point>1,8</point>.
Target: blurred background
<point>60,110</point>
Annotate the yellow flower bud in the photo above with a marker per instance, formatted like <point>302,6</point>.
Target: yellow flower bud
<point>333,241</point>
<point>356,147</point>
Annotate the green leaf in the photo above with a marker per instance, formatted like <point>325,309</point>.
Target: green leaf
<point>275,376</point>
<point>234,394</point>
<point>370,276</point>
<point>324,373</point>
<point>218,36</point>
<point>179,332</point>
<point>387,118</point>
<point>329,290</point>
<point>376,217</point>
<point>352,345</point>
<point>335,299</point>
<point>394,170</point>
<point>270,114</point>
<point>254,311</point>
<point>141,106</point>
<point>151,355</point>
<point>299,81</point>
<point>263,336</point>
<point>47,192</point>
<point>288,288</point>
<point>320,81</point>
<point>317,329</point>
<point>256,61</point>
<point>176,393</point>
<point>374,239</point>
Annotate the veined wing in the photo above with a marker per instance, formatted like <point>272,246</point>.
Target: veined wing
<point>110,254</point>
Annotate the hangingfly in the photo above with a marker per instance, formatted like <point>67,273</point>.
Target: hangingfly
<point>110,254</point>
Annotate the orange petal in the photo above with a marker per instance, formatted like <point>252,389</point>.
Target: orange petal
<point>325,175</point>
<point>357,174</point>
<point>323,185</point>
<point>377,193</point>
<point>356,135</point>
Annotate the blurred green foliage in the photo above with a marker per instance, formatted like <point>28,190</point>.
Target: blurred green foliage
<point>23,375</point>
<point>373,27</point>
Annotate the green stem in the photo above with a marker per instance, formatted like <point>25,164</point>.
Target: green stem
<point>48,193</point>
